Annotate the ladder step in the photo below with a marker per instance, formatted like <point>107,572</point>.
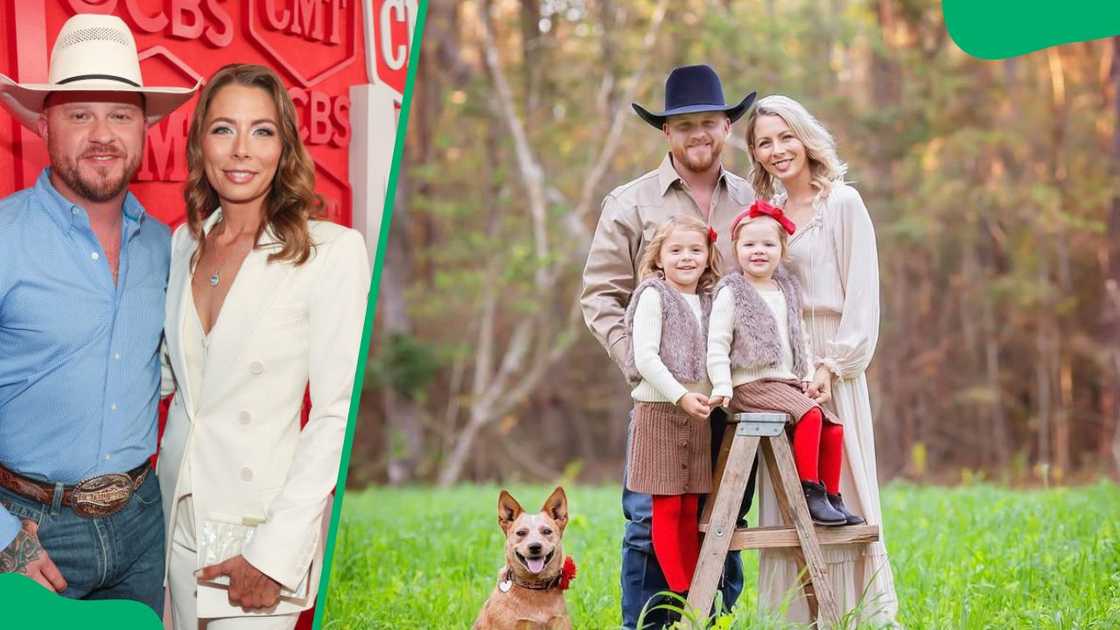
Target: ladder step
<point>777,537</point>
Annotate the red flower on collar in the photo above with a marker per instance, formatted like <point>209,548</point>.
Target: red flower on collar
<point>568,573</point>
<point>712,235</point>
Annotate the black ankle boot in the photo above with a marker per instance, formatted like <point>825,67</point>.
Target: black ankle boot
<point>820,509</point>
<point>838,502</point>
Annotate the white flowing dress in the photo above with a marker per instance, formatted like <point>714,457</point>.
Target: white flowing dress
<point>835,259</point>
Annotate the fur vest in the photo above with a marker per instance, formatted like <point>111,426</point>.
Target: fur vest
<point>684,341</point>
<point>754,341</point>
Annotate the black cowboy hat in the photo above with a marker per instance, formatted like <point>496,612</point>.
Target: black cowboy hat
<point>692,89</point>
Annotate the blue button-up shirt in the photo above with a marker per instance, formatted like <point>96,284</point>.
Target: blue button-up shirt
<point>79,355</point>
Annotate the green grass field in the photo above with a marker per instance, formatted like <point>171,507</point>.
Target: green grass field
<point>967,557</point>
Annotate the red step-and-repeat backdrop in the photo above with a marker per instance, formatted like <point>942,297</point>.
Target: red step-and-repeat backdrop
<point>315,46</point>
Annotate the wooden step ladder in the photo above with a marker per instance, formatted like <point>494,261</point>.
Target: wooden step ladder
<point>733,467</point>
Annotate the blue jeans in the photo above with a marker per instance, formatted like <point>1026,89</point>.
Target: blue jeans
<point>119,556</point>
<point>642,578</point>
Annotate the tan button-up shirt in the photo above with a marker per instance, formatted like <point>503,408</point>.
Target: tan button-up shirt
<point>631,214</point>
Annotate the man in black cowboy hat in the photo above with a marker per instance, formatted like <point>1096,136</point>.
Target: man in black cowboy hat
<point>691,179</point>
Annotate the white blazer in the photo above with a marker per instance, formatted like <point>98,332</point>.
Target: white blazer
<point>281,327</point>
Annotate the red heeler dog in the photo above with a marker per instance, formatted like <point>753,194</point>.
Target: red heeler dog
<point>530,590</point>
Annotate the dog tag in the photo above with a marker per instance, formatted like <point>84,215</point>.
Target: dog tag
<point>505,585</point>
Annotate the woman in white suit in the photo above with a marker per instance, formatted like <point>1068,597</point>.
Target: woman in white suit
<point>263,301</point>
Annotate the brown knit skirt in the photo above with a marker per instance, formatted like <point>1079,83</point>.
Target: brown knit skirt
<point>776,395</point>
<point>670,452</point>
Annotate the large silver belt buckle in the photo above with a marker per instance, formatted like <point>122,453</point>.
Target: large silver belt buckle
<point>101,496</point>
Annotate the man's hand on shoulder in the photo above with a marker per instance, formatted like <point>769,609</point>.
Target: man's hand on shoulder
<point>26,555</point>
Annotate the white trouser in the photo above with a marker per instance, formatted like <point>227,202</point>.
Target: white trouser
<point>180,576</point>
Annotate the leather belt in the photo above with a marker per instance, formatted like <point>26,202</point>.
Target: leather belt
<point>95,497</point>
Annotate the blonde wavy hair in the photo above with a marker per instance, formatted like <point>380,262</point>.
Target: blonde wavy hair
<point>825,167</point>
<point>291,200</point>
<point>650,264</point>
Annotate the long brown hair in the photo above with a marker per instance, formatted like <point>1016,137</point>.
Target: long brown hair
<point>291,200</point>
<point>651,258</point>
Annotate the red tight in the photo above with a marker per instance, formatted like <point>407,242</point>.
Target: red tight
<point>818,449</point>
<point>832,450</point>
<point>676,537</point>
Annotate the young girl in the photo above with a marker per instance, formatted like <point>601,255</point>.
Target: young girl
<point>758,358</point>
<point>669,450</point>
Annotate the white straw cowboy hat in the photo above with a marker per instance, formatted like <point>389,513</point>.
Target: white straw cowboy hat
<point>94,53</point>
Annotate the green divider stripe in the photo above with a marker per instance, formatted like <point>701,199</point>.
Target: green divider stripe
<point>371,309</point>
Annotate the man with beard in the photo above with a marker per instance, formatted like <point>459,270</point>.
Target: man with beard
<point>82,288</point>
<point>690,180</point>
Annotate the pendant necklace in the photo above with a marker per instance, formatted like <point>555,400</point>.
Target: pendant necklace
<point>216,277</point>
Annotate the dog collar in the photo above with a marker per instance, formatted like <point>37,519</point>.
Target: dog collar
<point>562,581</point>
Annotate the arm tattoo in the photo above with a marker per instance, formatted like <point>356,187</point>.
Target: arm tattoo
<point>22,551</point>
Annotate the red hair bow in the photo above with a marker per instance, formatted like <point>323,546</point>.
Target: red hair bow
<point>712,235</point>
<point>760,208</point>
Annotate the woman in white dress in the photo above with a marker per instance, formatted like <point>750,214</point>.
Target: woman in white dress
<point>833,254</point>
<point>263,303</point>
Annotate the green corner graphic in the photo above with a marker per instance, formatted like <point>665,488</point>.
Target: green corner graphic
<point>26,604</point>
<point>998,29</point>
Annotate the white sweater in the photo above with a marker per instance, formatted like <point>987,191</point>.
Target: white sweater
<point>658,384</point>
<point>720,330</point>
